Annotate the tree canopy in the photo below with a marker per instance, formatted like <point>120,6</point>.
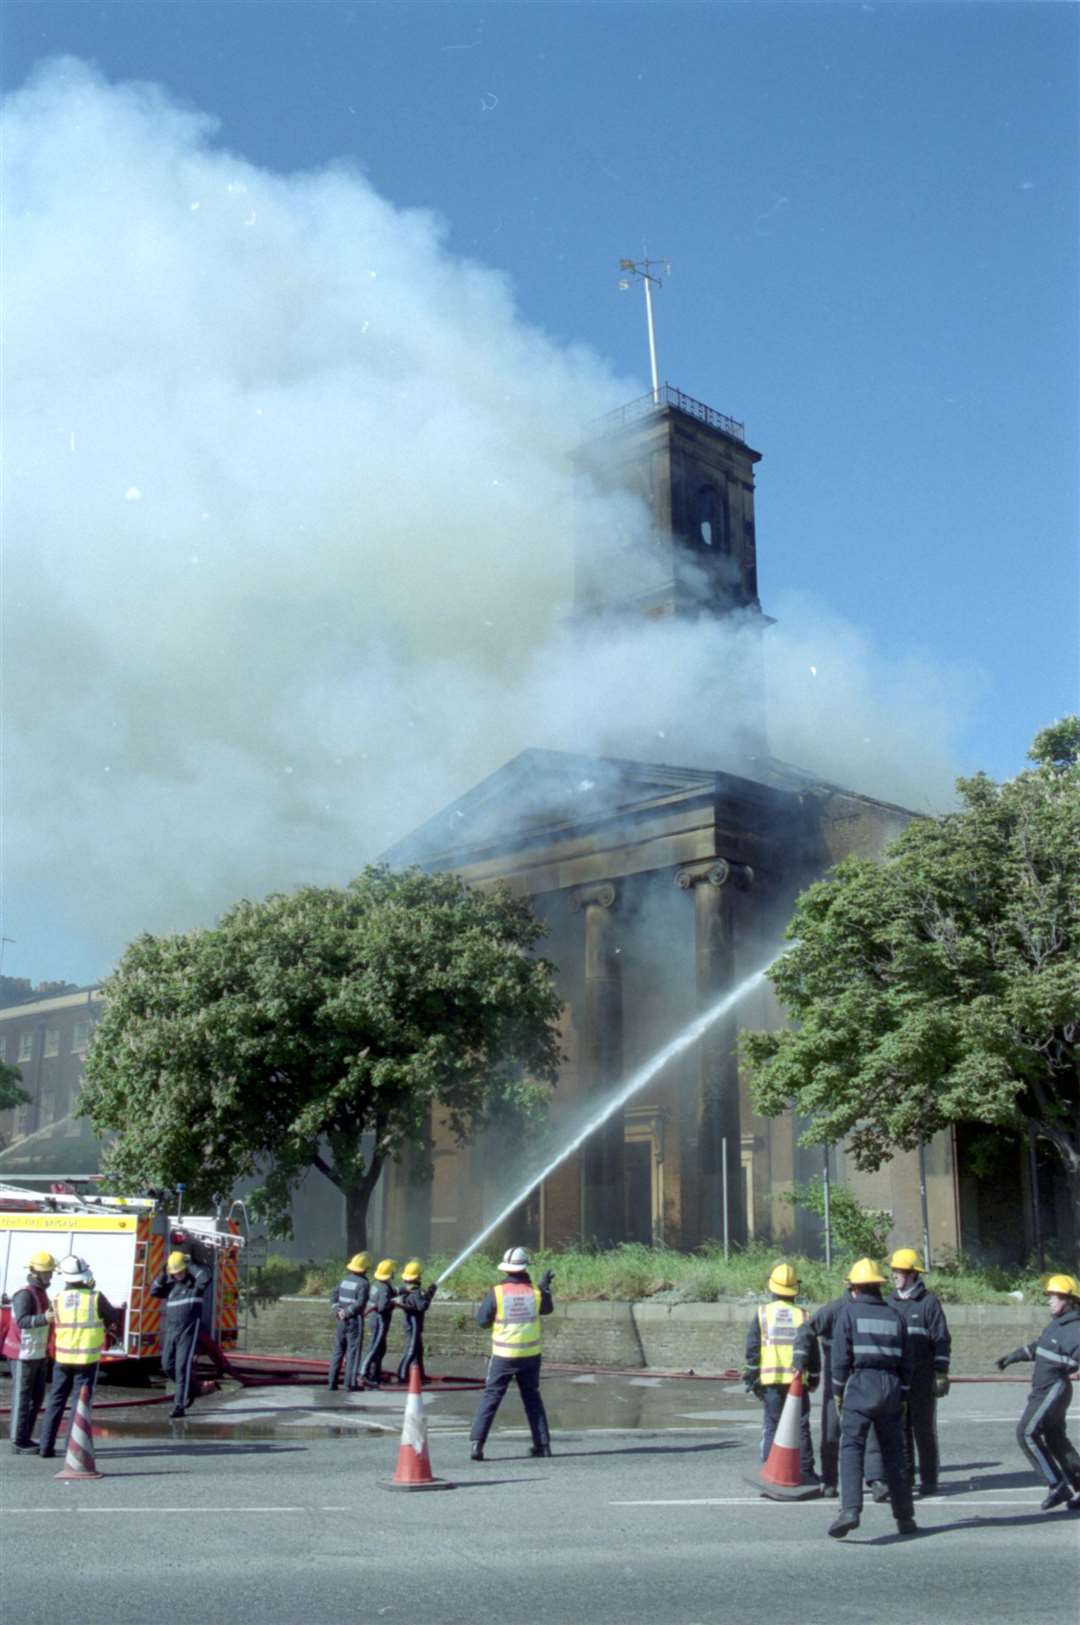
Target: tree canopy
<point>942,985</point>
<point>317,1030</point>
<point>11,1094</point>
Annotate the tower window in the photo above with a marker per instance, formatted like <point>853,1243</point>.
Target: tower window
<point>711,518</point>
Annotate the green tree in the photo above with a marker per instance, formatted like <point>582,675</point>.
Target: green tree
<point>942,985</point>
<point>317,1030</point>
<point>11,1094</point>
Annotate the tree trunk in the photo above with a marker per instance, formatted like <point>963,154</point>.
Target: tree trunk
<point>356,1206</point>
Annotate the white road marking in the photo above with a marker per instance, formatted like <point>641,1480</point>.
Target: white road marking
<point>763,1501</point>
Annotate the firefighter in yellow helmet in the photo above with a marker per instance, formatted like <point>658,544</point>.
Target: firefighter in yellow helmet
<point>414,1301</point>
<point>349,1303</point>
<point>81,1316</point>
<point>871,1375</point>
<point>183,1290</point>
<point>931,1348</point>
<point>1041,1431</point>
<point>381,1309</point>
<point>512,1310</point>
<point>26,1346</point>
<point>770,1362</point>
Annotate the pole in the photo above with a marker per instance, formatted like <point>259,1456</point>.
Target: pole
<point>828,1223</point>
<point>1036,1216</point>
<point>727,1227</point>
<point>652,337</point>
<point>925,1206</point>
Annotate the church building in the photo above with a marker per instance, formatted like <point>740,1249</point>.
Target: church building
<point>662,885</point>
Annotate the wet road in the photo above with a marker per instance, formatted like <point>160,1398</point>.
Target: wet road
<point>265,1507</point>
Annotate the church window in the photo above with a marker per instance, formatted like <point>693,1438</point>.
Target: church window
<point>711,526</point>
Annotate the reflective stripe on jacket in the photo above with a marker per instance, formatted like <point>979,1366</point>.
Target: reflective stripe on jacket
<point>28,1342</point>
<point>516,1332</point>
<point>778,1323</point>
<point>80,1330</point>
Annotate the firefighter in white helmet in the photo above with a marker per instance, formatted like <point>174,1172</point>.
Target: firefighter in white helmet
<point>26,1345</point>
<point>183,1290</point>
<point>771,1363</point>
<point>512,1310</point>
<point>81,1316</point>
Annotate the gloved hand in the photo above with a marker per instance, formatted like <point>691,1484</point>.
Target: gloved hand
<point>1006,1359</point>
<point>545,1280</point>
<point>342,1314</point>
<point>941,1385</point>
<point>431,1291</point>
<point>813,1382</point>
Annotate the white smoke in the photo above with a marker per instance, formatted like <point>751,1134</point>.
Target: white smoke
<point>288,537</point>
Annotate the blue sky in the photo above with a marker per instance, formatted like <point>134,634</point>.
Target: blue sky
<point>871,214</point>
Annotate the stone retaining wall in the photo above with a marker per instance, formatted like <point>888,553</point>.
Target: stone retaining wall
<point>664,1336</point>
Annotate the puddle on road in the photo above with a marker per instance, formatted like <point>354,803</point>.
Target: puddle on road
<point>296,1411</point>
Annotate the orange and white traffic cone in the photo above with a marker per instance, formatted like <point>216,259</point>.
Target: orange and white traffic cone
<point>79,1456</point>
<point>413,1464</point>
<point>781,1478</point>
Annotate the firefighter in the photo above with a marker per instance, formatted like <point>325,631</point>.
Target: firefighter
<point>819,1328</point>
<point>26,1345</point>
<point>414,1303</point>
<point>381,1308</point>
<point>871,1375</point>
<point>349,1300</point>
<point>183,1289</point>
<point>80,1315</point>
<point>1041,1431</point>
<point>770,1362</point>
<point>931,1347</point>
<point>512,1310</point>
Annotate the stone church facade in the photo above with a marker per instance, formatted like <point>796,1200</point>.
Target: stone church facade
<point>662,886</point>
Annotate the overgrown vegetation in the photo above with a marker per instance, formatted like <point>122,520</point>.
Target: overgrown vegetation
<point>635,1272</point>
<point>861,1231</point>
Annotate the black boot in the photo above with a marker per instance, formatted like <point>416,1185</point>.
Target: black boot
<point>846,1520</point>
<point>907,1526</point>
<point>477,1451</point>
<point>1059,1494</point>
<point>540,1450</point>
<point>879,1490</point>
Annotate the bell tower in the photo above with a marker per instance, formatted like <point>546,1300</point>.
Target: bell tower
<point>692,552</point>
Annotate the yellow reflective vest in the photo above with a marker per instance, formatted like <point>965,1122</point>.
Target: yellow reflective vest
<point>778,1323</point>
<point>515,1333</point>
<point>80,1330</point>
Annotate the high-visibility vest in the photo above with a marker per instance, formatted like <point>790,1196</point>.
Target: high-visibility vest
<point>516,1330</point>
<point>80,1330</point>
<point>778,1323</point>
<point>27,1342</point>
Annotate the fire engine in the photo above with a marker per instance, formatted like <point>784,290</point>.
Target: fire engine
<point>125,1241</point>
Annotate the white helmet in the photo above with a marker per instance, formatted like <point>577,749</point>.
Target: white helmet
<point>515,1260</point>
<point>75,1271</point>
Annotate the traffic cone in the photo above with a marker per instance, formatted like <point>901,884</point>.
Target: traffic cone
<point>781,1479</point>
<point>413,1463</point>
<point>79,1456</point>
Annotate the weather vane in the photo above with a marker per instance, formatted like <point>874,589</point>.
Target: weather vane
<point>644,269</point>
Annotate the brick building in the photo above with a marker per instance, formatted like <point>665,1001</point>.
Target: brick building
<point>45,1032</point>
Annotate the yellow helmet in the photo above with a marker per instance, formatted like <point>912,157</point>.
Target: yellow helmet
<point>41,1263</point>
<point>1065,1286</point>
<point>906,1258</point>
<point>177,1263</point>
<point>385,1271</point>
<point>864,1272</point>
<point>413,1270</point>
<point>783,1281</point>
<point>358,1263</point>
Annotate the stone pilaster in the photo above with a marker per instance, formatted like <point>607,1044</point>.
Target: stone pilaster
<point>719,1123</point>
<point>603,1218</point>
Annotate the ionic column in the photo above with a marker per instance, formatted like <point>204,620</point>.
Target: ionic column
<point>603,1218</point>
<point>718,1116</point>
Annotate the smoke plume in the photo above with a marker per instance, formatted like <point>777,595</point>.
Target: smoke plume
<point>288,537</point>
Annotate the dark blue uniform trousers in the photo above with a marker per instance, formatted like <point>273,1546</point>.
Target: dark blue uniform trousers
<point>873,1399</point>
<point>500,1373</point>
<point>348,1347</point>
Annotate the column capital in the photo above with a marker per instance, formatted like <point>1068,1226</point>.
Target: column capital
<point>600,895</point>
<point>714,872</point>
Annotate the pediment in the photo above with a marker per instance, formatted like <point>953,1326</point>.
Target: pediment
<point>540,793</point>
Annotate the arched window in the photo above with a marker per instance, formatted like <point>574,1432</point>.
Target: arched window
<point>711,518</point>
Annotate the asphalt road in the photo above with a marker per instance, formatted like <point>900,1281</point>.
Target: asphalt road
<point>266,1509</point>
